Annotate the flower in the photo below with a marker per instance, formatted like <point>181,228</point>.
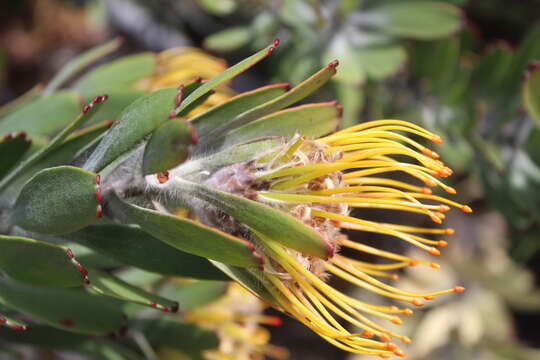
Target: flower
<point>237,318</point>
<point>319,182</point>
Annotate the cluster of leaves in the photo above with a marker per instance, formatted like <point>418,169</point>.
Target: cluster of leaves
<point>79,253</point>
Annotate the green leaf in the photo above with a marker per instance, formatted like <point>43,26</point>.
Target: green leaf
<point>290,97</point>
<point>79,63</point>
<point>188,235</point>
<point>168,146</point>
<point>194,294</point>
<point>177,334</point>
<point>423,20</point>
<point>136,121</point>
<point>218,8</point>
<point>493,69</point>
<point>110,285</point>
<point>272,223</point>
<point>531,93</point>
<point>71,309</point>
<point>311,120</point>
<point>352,98</point>
<point>57,200</point>
<point>21,101</point>
<point>226,75</point>
<point>229,39</point>
<point>12,149</point>
<point>131,246</point>
<point>37,262</point>
<point>118,74</point>
<point>215,120</point>
<point>11,323</point>
<point>43,116</point>
<point>111,109</point>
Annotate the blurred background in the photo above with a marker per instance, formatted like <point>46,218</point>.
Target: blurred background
<point>459,68</point>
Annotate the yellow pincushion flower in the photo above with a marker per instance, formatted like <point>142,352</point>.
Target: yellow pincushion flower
<point>319,182</point>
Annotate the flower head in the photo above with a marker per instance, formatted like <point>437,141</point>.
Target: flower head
<point>320,182</point>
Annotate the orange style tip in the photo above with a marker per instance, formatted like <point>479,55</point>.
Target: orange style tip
<point>384,337</point>
<point>434,251</point>
<point>367,334</point>
<point>413,262</point>
<point>449,231</point>
<point>395,277</point>
<point>417,302</point>
<point>407,312</point>
<point>393,308</point>
<point>440,215</point>
<point>391,346</point>
<point>450,190</point>
<point>384,356</point>
<point>399,353</point>
<point>430,183</point>
<point>444,208</point>
<point>442,243</point>
<point>466,208</point>
<point>436,219</point>
<point>427,191</point>
<point>436,139</point>
<point>396,320</point>
<point>459,289</point>
<point>406,340</point>
<point>435,265</point>
<point>428,298</point>
<point>274,321</point>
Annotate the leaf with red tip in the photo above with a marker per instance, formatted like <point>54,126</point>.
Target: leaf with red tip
<point>216,119</point>
<point>292,96</point>
<point>116,75</point>
<point>117,102</point>
<point>57,200</point>
<point>110,285</point>
<point>168,146</point>
<point>531,92</point>
<point>225,76</point>
<point>72,309</point>
<point>12,147</point>
<point>136,121</point>
<point>311,120</point>
<point>131,245</point>
<point>37,262</point>
<point>43,116</point>
<point>272,223</point>
<point>187,235</point>
<point>12,323</point>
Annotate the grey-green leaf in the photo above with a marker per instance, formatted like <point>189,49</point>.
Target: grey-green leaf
<point>136,121</point>
<point>43,116</point>
<point>110,285</point>
<point>117,74</point>
<point>188,235</point>
<point>57,200</point>
<point>37,262</point>
<point>71,309</point>
<point>168,146</point>
<point>131,246</point>
<point>272,223</point>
